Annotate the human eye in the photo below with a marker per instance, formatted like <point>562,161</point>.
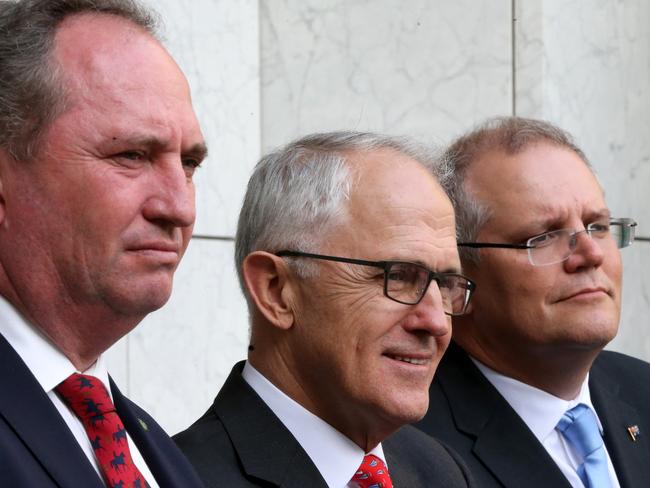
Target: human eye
<point>190,165</point>
<point>130,159</point>
<point>446,281</point>
<point>546,239</point>
<point>397,274</point>
<point>402,275</point>
<point>132,155</point>
<point>598,228</point>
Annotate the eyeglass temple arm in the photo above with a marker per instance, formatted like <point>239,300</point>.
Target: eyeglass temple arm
<point>492,244</point>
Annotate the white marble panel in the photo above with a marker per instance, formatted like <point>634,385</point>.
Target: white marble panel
<point>634,333</point>
<point>118,361</point>
<point>180,355</point>
<point>585,65</point>
<point>216,43</point>
<point>428,68</point>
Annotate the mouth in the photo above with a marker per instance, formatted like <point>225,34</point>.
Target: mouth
<point>418,361</point>
<point>163,251</point>
<point>587,293</point>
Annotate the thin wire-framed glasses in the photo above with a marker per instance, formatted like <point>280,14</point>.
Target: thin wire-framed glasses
<point>556,246</point>
<point>407,283</point>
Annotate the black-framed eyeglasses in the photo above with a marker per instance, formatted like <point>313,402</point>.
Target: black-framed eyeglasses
<point>407,283</point>
<point>556,246</point>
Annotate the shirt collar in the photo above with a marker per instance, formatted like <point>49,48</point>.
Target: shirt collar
<point>539,410</point>
<point>336,457</point>
<point>45,361</point>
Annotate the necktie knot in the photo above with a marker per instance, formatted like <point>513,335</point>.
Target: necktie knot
<point>89,399</point>
<point>86,396</point>
<point>372,473</point>
<point>579,426</point>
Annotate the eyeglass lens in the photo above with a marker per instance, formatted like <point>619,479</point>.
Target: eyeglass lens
<point>554,247</point>
<point>407,283</point>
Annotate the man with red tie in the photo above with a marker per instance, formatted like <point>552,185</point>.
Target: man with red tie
<point>347,256</point>
<point>98,146</point>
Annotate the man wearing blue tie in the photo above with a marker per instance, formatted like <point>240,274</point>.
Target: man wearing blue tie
<point>525,393</point>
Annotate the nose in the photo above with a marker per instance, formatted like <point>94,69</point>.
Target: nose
<point>171,201</point>
<point>429,315</point>
<point>588,253</point>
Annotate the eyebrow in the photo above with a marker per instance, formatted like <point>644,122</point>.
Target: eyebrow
<point>198,150</point>
<point>449,269</point>
<point>603,213</point>
<point>589,216</point>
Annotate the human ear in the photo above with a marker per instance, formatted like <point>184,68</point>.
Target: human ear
<point>5,160</point>
<point>268,281</point>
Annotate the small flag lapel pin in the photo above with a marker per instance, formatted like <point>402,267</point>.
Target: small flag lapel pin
<point>634,432</point>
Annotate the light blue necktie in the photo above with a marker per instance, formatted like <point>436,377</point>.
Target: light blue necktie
<point>580,428</point>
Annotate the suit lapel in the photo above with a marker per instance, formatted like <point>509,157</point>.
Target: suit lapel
<point>27,408</point>
<point>167,464</point>
<point>630,458</point>
<point>502,442</point>
<point>265,447</point>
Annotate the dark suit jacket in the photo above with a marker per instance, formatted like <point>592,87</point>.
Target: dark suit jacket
<point>37,449</point>
<point>240,442</point>
<point>470,415</point>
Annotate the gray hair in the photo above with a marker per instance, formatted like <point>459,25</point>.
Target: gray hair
<point>32,86</point>
<point>511,135</point>
<point>297,193</point>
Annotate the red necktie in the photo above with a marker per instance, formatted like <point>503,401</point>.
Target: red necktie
<point>88,398</point>
<point>372,473</point>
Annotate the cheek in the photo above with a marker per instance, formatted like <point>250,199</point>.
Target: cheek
<point>613,268</point>
<point>186,232</point>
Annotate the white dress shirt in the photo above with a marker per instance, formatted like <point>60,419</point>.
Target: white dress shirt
<point>336,457</point>
<point>50,367</point>
<point>541,412</point>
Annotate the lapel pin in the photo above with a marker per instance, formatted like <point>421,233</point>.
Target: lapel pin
<point>634,432</point>
<point>144,426</point>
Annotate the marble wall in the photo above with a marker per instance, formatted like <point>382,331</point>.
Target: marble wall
<point>585,65</point>
<point>266,71</point>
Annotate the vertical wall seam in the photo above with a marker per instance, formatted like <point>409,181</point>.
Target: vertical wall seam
<point>260,95</point>
<point>513,44</point>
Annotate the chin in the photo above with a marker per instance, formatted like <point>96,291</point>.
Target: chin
<point>409,408</point>
<point>140,300</point>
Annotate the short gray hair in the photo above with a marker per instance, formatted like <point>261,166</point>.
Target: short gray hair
<point>511,135</point>
<point>32,87</point>
<point>298,192</point>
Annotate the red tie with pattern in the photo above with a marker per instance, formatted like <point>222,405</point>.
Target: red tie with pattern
<point>88,399</point>
<point>372,473</point>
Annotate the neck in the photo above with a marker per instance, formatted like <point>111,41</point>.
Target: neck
<point>280,370</point>
<point>80,334</point>
<point>555,369</point>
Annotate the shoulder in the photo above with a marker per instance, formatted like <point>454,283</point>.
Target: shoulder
<point>415,459</point>
<point>617,362</point>
<point>233,426</point>
<point>210,450</point>
<point>628,374</point>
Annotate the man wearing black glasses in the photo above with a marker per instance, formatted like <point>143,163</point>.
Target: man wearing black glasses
<point>524,393</point>
<point>347,256</point>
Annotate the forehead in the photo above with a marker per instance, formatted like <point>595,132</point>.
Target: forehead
<point>397,210</point>
<point>121,76</point>
<point>541,183</point>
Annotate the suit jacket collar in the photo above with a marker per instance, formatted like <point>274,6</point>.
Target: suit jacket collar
<point>630,458</point>
<point>265,447</point>
<point>501,439</point>
<point>167,464</point>
<point>27,408</point>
